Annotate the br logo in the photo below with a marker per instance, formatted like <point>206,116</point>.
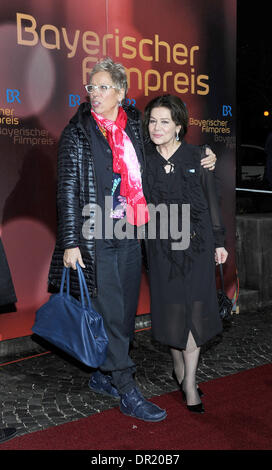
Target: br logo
<point>130,101</point>
<point>226,110</point>
<point>74,100</point>
<point>12,95</point>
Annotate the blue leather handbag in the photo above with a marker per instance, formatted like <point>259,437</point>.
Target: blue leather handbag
<point>73,325</point>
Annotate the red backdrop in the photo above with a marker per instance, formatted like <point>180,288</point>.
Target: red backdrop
<point>47,50</point>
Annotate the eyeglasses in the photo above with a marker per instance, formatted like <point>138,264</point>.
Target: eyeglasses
<point>101,88</point>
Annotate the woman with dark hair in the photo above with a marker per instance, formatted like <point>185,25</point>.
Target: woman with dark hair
<point>184,305</point>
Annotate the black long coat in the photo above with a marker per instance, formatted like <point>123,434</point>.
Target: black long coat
<point>7,292</point>
<point>182,282</point>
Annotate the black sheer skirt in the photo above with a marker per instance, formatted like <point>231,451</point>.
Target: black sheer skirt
<point>185,303</point>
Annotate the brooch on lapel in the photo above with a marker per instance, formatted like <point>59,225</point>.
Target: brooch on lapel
<point>169,167</point>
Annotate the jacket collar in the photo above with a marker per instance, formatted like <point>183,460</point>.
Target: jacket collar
<point>84,112</point>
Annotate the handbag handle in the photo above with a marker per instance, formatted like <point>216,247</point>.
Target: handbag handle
<point>82,284</point>
<point>83,287</point>
<point>65,276</point>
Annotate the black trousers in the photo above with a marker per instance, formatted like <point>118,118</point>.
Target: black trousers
<point>119,267</point>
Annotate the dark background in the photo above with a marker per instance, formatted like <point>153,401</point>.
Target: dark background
<point>254,71</point>
<point>254,96</point>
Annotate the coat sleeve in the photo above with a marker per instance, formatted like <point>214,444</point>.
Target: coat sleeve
<point>68,190</point>
<point>209,185</point>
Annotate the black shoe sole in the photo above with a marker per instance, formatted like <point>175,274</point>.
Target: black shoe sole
<point>143,419</point>
<point>8,438</point>
<point>196,408</point>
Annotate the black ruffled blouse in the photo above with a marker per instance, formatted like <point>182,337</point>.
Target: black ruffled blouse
<point>182,180</point>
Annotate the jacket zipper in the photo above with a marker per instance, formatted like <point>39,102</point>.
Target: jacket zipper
<point>81,127</point>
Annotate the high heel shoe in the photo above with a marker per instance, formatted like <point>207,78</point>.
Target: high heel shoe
<point>199,408</point>
<point>200,393</point>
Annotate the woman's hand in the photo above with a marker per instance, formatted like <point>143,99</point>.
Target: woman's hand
<point>71,256</point>
<point>220,255</point>
<point>209,160</point>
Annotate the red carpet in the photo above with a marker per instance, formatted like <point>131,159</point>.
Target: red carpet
<point>238,417</point>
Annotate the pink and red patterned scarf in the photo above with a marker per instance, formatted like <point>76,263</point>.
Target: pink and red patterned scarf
<point>125,162</point>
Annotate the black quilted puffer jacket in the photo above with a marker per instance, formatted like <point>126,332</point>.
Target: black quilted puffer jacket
<point>76,188</point>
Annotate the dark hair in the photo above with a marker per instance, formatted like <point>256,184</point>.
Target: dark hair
<point>177,108</point>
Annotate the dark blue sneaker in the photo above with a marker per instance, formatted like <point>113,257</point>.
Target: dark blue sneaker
<point>101,383</point>
<point>135,405</point>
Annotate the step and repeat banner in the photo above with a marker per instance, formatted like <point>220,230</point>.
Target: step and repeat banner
<point>47,50</point>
